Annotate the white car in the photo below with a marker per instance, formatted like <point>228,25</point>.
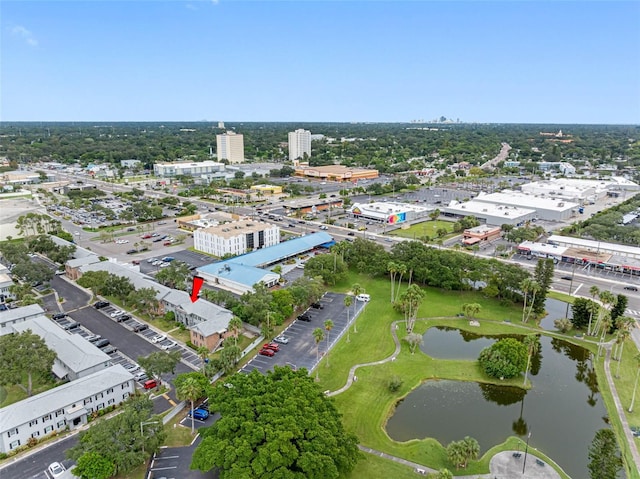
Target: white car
<point>116,313</point>
<point>56,469</point>
<point>363,297</point>
<point>168,345</point>
<point>281,340</point>
<point>158,339</point>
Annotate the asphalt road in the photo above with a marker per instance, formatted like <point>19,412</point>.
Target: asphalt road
<point>33,466</point>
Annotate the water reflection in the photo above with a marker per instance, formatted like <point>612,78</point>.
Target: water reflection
<point>562,417</point>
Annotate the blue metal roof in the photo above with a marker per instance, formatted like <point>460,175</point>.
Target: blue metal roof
<point>245,269</point>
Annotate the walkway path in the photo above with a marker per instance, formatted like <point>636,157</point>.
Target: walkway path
<point>503,465</point>
<point>620,409</point>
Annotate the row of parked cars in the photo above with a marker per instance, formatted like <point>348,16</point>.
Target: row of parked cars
<point>121,316</point>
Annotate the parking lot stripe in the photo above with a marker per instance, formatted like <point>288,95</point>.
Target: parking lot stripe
<point>171,401</point>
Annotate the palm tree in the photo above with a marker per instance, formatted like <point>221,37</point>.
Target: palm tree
<point>535,287</point>
<point>356,289</point>
<point>189,390</point>
<point>348,300</point>
<point>328,326</point>
<point>606,298</point>
<point>635,386</point>
<point>318,336</point>
<point>402,269</point>
<point>471,309</point>
<point>621,336</point>
<point>594,292</point>
<point>392,267</point>
<point>471,449</point>
<point>525,286</point>
<point>235,325</point>
<point>533,345</point>
<point>605,323</point>
<point>203,353</point>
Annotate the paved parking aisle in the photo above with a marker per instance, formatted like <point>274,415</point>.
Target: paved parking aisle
<point>300,351</point>
<point>174,462</point>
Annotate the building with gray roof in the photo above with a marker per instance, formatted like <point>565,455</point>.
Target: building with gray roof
<point>76,357</point>
<point>17,315</point>
<point>66,406</point>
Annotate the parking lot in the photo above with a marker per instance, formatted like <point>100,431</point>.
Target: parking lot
<point>190,258</point>
<point>151,335</point>
<point>300,351</point>
<point>174,462</point>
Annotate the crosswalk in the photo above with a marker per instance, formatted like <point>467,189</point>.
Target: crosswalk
<point>633,312</point>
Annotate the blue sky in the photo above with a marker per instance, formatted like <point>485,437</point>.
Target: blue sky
<point>500,62</point>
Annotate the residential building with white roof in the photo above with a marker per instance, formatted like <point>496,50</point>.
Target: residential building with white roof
<point>13,316</point>
<point>66,406</point>
<point>76,357</point>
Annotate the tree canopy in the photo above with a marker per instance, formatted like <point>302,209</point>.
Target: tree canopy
<point>275,425</point>
<point>23,356</point>
<point>506,358</point>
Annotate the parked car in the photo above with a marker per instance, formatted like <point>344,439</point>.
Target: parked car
<point>101,343</point>
<point>267,352</point>
<point>281,339</point>
<point>56,469</point>
<point>304,317</point>
<point>140,376</point>
<point>59,316</point>
<point>158,339</point>
<point>101,304</point>
<point>109,349</point>
<point>199,414</point>
<point>272,346</point>
<point>92,338</point>
<point>363,297</point>
<point>122,317</point>
<point>116,313</point>
<point>150,384</point>
<point>71,325</point>
<point>132,367</point>
<point>168,345</point>
<point>317,305</point>
<point>140,327</point>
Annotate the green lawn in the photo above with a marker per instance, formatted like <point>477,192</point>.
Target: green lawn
<point>14,393</point>
<point>426,228</point>
<point>368,403</point>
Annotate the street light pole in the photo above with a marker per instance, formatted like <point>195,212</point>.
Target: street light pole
<point>524,464</point>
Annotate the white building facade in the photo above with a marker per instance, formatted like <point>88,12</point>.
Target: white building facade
<point>66,406</point>
<point>299,144</point>
<point>236,238</point>
<point>187,168</point>
<point>230,147</point>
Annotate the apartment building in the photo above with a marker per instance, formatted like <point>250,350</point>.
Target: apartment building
<point>230,147</point>
<point>236,238</point>
<point>299,144</point>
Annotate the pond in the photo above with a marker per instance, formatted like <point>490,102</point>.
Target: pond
<point>555,309</point>
<point>562,411</point>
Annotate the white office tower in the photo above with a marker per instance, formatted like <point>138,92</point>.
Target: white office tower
<point>230,147</point>
<point>299,144</point>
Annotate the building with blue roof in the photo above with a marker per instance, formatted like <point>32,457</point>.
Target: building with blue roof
<point>241,273</point>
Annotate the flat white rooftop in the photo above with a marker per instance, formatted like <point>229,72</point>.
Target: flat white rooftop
<point>515,198</point>
<point>488,209</point>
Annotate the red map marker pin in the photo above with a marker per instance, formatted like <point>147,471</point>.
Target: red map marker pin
<point>197,285</point>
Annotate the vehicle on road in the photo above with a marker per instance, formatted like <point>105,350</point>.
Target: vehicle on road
<point>56,469</point>
<point>281,339</point>
<point>568,278</point>
<point>628,288</point>
<point>267,352</point>
<point>132,251</point>
<point>158,339</point>
<point>200,414</point>
<point>351,233</point>
<point>272,346</point>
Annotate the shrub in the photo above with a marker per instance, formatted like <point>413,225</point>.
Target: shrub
<point>395,383</point>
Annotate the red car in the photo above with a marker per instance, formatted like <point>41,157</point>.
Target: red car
<point>272,346</point>
<point>147,236</point>
<point>267,352</point>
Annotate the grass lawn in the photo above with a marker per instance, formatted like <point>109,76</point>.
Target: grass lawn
<point>426,228</point>
<point>368,403</point>
<point>561,296</point>
<point>14,393</point>
<point>177,435</point>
